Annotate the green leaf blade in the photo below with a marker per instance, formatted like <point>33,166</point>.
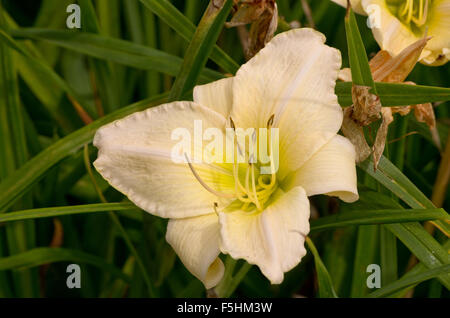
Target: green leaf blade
<point>200,47</point>
<point>359,63</point>
<point>45,255</point>
<point>383,216</point>
<point>326,288</point>
<point>185,28</point>
<point>396,94</point>
<point>23,179</point>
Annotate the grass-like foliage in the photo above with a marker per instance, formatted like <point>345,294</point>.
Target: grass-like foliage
<point>59,85</point>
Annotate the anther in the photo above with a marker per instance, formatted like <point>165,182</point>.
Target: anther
<point>232,123</point>
<point>270,121</point>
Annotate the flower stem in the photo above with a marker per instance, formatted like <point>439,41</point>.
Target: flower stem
<point>229,282</point>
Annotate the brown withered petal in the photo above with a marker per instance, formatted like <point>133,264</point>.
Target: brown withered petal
<point>386,68</point>
<point>378,61</point>
<point>380,140</point>
<point>402,110</point>
<point>263,16</point>
<point>436,138</point>
<point>247,12</point>
<point>424,113</point>
<point>355,134</point>
<point>366,106</point>
<point>262,30</point>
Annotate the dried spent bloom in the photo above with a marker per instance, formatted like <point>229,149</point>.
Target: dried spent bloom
<point>366,107</point>
<point>231,208</point>
<point>397,24</point>
<point>263,17</point>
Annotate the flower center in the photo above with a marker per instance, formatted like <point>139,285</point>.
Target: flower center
<point>255,189</point>
<point>252,190</point>
<point>410,12</point>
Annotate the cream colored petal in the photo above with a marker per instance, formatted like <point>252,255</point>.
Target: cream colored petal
<point>345,75</point>
<point>292,78</point>
<point>273,239</point>
<point>356,5</point>
<point>135,157</point>
<point>439,29</point>
<point>196,242</point>
<point>330,171</point>
<point>295,70</point>
<point>390,34</point>
<point>393,36</point>
<point>217,95</point>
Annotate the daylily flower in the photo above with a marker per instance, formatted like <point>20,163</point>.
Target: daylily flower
<point>228,207</point>
<point>397,24</point>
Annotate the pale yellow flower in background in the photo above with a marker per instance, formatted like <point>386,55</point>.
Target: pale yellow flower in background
<point>396,24</point>
<point>356,5</point>
<point>229,208</point>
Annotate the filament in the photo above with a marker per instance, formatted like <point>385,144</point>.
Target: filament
<point>407,13</point>
<point>207,187</point>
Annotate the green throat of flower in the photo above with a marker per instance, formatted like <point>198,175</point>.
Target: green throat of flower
<point>413,13</point>
<point>252,190</point>
<point>256,190</point>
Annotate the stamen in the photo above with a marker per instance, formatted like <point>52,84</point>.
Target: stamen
<point>421,12</point>
<point>253,147</point>
<point>410,12</point>
<point>208,188</point>
<point>237,184</point>
<point>247,178</point>
<point>257,192</point>
<point>235,140</point>
<point>406,7</point>
<point>247,187</point>
<point>273,175</point>
<point>258,205</point>
<point>270,121</point>
<point>265,194</point>
<point>232,124</point>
